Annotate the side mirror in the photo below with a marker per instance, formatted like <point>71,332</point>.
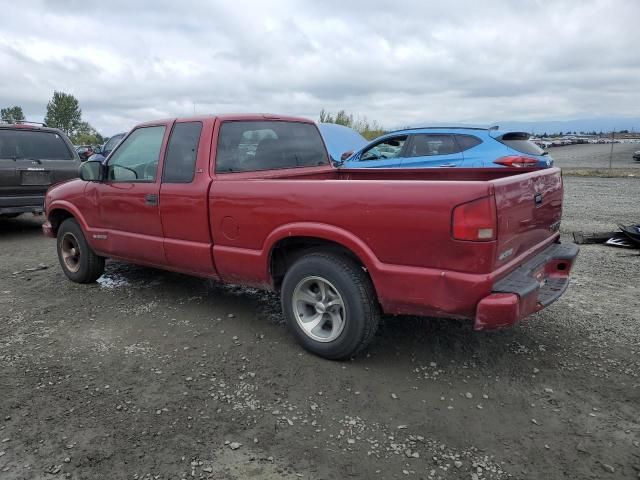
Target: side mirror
<point>346,155</point>
<point>92,171</point>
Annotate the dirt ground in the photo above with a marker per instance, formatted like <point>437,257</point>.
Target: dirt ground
<point>149,374</point>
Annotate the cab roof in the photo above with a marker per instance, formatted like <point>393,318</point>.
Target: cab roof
<point>230,117</point>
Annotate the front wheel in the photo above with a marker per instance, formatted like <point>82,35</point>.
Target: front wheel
<point>79,263</point>
<point>330,305</point>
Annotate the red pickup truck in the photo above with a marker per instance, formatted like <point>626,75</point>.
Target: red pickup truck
<point>254,200</point>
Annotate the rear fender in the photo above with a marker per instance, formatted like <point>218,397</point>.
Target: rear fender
<point>321,231</point>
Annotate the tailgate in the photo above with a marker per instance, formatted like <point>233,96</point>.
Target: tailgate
<point>529,208</point>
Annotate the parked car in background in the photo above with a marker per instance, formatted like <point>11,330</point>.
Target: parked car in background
<point>113,142</point>
<point>32,158</point>
<point>254,200</point>
<point>636,156</point>
<point>340,139</point>
<point>85,151</point>
<point>438,147</point>
<point>109,146</point>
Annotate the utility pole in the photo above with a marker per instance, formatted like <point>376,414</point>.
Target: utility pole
<point>613,135</point>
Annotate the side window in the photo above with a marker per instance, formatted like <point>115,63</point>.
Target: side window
<point>467,141</point>
<point>426,145</point>
<point>136,159</point>
<point>269,145</point>
<point>182,150</point>
<point>389,148</point>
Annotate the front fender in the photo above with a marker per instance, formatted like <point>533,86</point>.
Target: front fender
<point>65,206</point>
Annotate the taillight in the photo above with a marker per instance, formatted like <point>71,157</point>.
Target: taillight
<point>475,221</point>
<point>516,161</point>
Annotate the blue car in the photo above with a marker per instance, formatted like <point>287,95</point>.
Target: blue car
<point>340,139</point>
<point>438,147</point>
<point>108,147</point>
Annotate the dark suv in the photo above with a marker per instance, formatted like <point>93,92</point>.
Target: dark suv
<point>31,159</point>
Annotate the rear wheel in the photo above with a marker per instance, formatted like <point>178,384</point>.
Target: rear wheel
<point>79,263</point>
<point>330,305</point>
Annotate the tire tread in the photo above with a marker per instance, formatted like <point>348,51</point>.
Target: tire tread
<point>95,264</point>
<point>362,283</point>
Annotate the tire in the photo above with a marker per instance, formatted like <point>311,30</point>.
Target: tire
<point>345,318</point>
<point>79,263</point>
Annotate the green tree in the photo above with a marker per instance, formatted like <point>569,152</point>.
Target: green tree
<point>63,112</point>
<point>368,130</point>
<point>343,118</point>
<point>12,114</point>
<point>85,134</point>
<point>325,117</point>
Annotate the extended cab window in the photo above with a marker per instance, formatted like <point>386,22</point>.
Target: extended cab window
<point>136,159</point>
<point>389,148</point>
<point>268,145</point>
<point>180,160</point>
<point>432,144</point>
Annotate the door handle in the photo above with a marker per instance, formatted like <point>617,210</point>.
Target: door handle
<point>448,165</point>
<point>151,199</point>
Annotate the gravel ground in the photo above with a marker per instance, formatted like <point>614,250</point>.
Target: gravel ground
<point>149,374</point>
<point>595,156</point>
<point>599,204</point>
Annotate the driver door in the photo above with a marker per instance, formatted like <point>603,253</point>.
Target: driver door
<point>387,153</point>
<point>129,198</point>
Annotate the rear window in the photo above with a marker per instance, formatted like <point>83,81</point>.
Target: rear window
<point>520,142</point>
<point>269,145</point>
<point>33,144</point>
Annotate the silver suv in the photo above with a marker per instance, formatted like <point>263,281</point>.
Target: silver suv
<point>32,158</point>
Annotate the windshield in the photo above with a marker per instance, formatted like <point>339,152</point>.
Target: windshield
<point>33,144</point>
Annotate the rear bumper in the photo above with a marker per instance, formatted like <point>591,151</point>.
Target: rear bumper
<point>531,287</point>
<point>22,204</point>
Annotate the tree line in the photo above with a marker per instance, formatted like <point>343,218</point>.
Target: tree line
<point>368,129</point>
<point>63,112</point>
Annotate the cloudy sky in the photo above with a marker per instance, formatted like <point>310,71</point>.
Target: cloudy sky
<point>395,62</point>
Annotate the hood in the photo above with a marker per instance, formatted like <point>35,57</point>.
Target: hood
<point>340,139</point>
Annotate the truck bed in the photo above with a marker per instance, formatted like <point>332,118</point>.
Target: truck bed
<point>399,220</point>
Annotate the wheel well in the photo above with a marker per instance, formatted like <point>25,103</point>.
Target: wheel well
<point>288,250</point>
<point>56,217</point>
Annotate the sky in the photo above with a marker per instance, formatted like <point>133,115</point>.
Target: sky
<point>399,63</point>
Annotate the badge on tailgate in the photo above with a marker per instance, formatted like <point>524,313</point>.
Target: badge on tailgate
<point>538,199</point>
